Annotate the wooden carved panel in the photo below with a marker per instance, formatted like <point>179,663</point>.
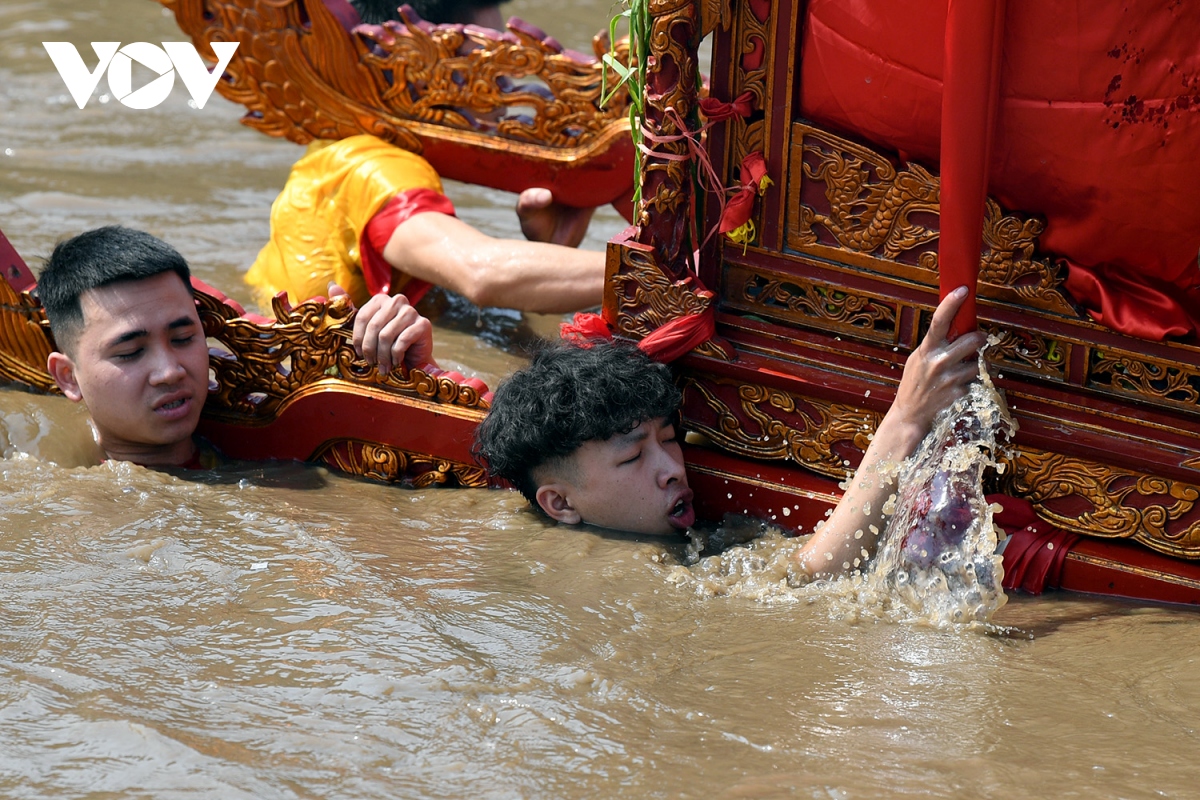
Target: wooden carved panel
<point>1021,350</point>
<point>801,301</point>
<point>263,365</point>
<point>639,298</point>
<point>1167,383</point>
<point>672,76</point>
<point>765,423</point>
<point>1086,497</point>
<point>381,462</point>
<point>1098,500</point>
<point>26,339</point>
<point>753,37</point>
<point>852,204</point>
<point>302,76</point>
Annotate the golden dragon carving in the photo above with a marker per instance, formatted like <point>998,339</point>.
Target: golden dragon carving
<point>303,76</point>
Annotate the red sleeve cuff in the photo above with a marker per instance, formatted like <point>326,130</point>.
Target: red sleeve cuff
<point>377,273</point>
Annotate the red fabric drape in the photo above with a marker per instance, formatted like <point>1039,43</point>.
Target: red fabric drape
<point>376,271</point>
<point>1036,550</point>
<point>1098,130</point>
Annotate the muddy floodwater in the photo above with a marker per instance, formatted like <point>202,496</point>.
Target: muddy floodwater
<point>279,631</point>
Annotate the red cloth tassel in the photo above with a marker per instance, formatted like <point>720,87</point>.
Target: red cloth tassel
<point>1036,550</point>
<point>679,336</point>
<point>377,273</point>
<point>585,330</point>
<point>717,110</point>
<point>672,341</point>
<point>741,205</point>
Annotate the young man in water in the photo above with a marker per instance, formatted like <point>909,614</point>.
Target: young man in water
<point>130,344</point>
<point>588,436</point>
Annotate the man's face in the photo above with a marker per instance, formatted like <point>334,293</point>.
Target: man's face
<point>632,482</point>
<point>141,366</point>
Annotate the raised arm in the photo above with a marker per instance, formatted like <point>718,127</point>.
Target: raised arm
<point>935,375</point>
<point>510,273</point>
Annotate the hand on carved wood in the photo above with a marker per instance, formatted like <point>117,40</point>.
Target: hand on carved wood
<point>938,372</point>
<point>543,219</point>
<point>389,332</point>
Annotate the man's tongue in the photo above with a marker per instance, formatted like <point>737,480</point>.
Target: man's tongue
<point>683,516</point>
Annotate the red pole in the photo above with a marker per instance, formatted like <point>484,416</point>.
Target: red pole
<point>971,78</point>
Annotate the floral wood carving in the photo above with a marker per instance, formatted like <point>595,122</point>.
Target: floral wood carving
<point>26,339</point>
<point>766,423</point>
<point>796,299</point>
<point>672,75</point>
<point>390,464</point>
<point>847,197</point>
<point>1078,495</point>
<point>303,77</point>
<point>1169,382</point>
<point>1026,351</point>
<point>753,33</point>
<point>1157,512</point>
<point>646,299</point>
<point>263,365</point>
<point>714,14</point>
<point>467,78</point>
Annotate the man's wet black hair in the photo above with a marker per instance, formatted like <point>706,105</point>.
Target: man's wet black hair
<point>439,12</point>
<point>567,396</point>
<point>98,258</point>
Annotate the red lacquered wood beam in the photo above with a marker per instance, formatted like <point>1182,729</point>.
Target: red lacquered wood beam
<point>1120,568</point>
<point>971,80</point>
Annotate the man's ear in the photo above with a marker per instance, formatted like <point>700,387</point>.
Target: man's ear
<point>553,500</point>
<point>62,369</point>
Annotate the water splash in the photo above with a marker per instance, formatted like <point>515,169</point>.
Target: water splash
<point>936,564</point>
<point>938,555</point>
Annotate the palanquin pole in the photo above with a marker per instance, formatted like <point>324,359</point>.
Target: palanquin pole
<point>971,88</point>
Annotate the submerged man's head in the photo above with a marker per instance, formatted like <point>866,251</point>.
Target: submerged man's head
<point>130,343</point>
<point>466,12</point>
<point>588,435</point>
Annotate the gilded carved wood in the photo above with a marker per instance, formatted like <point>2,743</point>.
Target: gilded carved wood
<point>640,298</point>
<point>800,300</point>
<point>262,366</point>
<point>388,464</point>
<point>302,76</point>
<point>849,202</point>
<point>27,340</point>
<point>672,75</point>
<point>753,31</point>
<point>1078,495</point>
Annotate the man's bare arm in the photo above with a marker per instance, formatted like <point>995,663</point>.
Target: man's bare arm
<point>529,276</point>
<point>935,375</point>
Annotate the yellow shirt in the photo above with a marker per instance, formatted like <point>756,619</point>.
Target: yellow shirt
<point>319,217</point>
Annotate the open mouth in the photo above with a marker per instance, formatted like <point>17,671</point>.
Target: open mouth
<point>176,408</point>
<point>682,515</point>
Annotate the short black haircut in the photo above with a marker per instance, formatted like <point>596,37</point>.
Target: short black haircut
<point>439,12</point>
<point>98,258</point>
<point>567,396</point>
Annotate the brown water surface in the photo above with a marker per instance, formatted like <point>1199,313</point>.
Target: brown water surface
<point>279,631</point>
